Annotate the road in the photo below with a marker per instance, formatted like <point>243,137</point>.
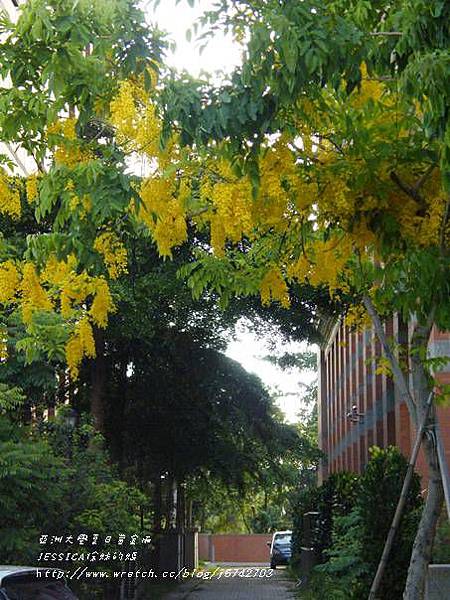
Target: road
<point>230,584</point>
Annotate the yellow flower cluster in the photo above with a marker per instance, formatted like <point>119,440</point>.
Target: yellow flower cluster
<point>102,304</point>
<point>233,208</point>
<point>9,281</point>
<point>113,252</point>
<point>421,224</point>
<point>156,192</point>
<point>32,188</point>
<point>299,270</point>
<point>75,290</point>
<point>34,296</point>
<point>163,214</point>
<point>83,204</point>
<point>369,89</point>
<point>230,207</point>
<point>170,229</point>
<point>134,117</point>
<point>84,299</point>
<point>273,288</point>
<point>123,112</point>
<point>278,177</point>
<point>81,344</point>
<point>68,150</point>
<point>330,259</point>
<point>357,318</point>
<point>9,198</point>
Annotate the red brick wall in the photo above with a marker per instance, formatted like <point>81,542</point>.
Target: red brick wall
<point>347,378</point>
<point>234,548</point>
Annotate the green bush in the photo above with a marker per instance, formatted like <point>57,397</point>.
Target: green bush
<point>381,485</point>
<point>31,492</point>
<point>441,547</point>
<point>57,480</point>
<point>357,539</point>
<point>345,562</point>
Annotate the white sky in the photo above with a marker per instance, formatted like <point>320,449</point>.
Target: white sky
<point>222,55</point>
<point>287,385</point>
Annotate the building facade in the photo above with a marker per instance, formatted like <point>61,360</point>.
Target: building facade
<point>360,407</point>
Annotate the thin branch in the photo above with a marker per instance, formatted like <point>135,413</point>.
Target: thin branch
<point>419,183</point>
<point>399,376</point>
<point>393,33</point>
<point>410,191</point>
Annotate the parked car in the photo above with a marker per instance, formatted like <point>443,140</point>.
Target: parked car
<point>280,548</point>
<point>33,583</point>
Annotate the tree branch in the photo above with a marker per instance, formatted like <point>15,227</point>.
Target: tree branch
<point>409,190</point>
<point>394,33</point>
<point>419,183</point>
<point>399,377</point>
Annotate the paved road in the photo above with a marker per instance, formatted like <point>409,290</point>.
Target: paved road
<point>275,586</point>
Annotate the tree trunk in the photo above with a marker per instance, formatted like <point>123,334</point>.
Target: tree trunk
<point>98,381</point>
<point>173,503</point>
<point>423,543</point>
<point>417,404</point>
<point>157,504</point>
<point>399,510</point>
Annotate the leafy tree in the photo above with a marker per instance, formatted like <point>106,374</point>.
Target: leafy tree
<point>320,168</point>
<point>381,485</point>
<point>29,491</point>
<point>63,61</point>
<point>189,412</point>
<point>325,160</point>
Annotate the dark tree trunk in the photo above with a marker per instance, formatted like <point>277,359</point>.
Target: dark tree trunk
<point>423,543</point>
<point>98,381</point>
<point>157,503</point>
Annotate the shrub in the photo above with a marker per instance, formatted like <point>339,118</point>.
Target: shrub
<point>345,556</point>
<point>30,491</point>
<point>57,480</point>
<point>381,485</point>
<point>334,498</point>
<point>441,548</point>
<point>357,538</point>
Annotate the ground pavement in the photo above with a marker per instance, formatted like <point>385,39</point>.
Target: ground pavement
<point>237,583</point>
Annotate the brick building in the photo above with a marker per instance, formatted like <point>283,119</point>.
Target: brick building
<point>359,408</point>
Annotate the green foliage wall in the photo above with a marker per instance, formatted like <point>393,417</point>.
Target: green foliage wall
<point>354,517</point>
<point>57,480</point>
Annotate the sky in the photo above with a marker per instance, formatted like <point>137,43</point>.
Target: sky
<point>222,54</point>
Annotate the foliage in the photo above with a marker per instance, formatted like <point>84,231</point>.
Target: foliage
<point>441,547</point>
<point>305,360</point>
<point>381,484</point>
<point>203,413</point>
<point>56,480</point>
<point>30,491</point>
<point>351,530</point>
<point>57,282</point>
<point>345,556</point>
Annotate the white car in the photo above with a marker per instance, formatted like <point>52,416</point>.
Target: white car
<point>33,583</point>
<point>280,548</point>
